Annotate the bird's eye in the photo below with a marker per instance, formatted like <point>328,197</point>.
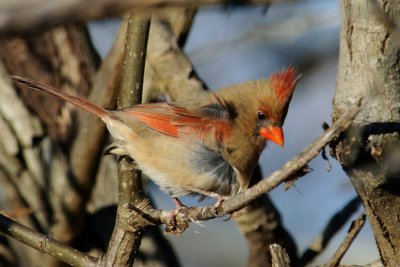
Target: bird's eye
<point>261,116</point>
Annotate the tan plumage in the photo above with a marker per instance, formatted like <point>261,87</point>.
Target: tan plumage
<point>210,144</point>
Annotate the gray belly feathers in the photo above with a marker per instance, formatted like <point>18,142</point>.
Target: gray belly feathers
<point>212,162</point>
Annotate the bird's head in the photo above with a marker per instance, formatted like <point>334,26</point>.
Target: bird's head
<point>273,98</point>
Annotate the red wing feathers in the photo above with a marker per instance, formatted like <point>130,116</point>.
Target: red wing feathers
<point>177,120</point>
<point>159,122</point>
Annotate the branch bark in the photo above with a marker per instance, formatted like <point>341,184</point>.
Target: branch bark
<point>355,228</point>
<point>57,194</point>
<point>279,256</point>
<point>125,241</point>
<point>45,243</point>
<point>369,153</point>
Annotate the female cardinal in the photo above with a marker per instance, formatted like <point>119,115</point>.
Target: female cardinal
<point>208,146</point>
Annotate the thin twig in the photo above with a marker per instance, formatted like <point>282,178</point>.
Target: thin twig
<point>186,215</point>
<point>335,224</point>
<point>29,16</point>
<point>45,243</point>
<point>355,228</point>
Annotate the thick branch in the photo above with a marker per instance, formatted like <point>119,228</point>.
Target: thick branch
<point>45,243</point>
<point>369,152</point>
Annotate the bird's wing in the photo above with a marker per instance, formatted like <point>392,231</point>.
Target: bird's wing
<point>179,120</point>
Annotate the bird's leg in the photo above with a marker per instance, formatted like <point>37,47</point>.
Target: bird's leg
<point>219,198</point>
<point>178,204</point>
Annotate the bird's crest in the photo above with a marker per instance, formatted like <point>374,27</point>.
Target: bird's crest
<point>284,82</point>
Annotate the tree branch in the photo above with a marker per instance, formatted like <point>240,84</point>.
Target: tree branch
<point>279,256</point>
<point>29,16</point>
<point>335,224</point>
<point>371,160</point>
<point>45,243</point>
<point>125,240</point>
<point>355,228</point>
<point>261,224</point>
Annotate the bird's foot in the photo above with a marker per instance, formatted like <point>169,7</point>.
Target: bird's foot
<point>178,204</point>
<point>219,200</point>
<point>173,226</point>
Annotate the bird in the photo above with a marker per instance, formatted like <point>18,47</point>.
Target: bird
<point>208,146</point>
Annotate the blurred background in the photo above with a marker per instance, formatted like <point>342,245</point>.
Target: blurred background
<point>237,44</point>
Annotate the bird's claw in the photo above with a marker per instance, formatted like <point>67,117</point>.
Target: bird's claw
<point>219,200</point>
<point>175,226</point>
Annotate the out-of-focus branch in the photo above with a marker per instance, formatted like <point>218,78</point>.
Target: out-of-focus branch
<point>125,240</point>
<point>260,222</point>
<point>29,16</point>
<point>86,149</point>
<point>279,256</point>
<point>87,146</point>
<point>355,228</point>
<point>377,263</point>
<point>169,73</point>
<point>45,243</point>
<point>335,224</point>
<point>64,58</point>
<point>233,204</point>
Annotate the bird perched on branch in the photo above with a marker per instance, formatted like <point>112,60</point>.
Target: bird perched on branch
<point>209,146</point>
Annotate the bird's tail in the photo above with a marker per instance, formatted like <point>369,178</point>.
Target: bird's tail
<point>79,102</point>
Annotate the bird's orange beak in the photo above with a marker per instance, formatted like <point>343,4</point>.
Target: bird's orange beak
<point>274,134</point>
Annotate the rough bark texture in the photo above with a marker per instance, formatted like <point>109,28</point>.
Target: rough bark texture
<point>125,240</point>
<point>39,164</point>
<point>370,152</point>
